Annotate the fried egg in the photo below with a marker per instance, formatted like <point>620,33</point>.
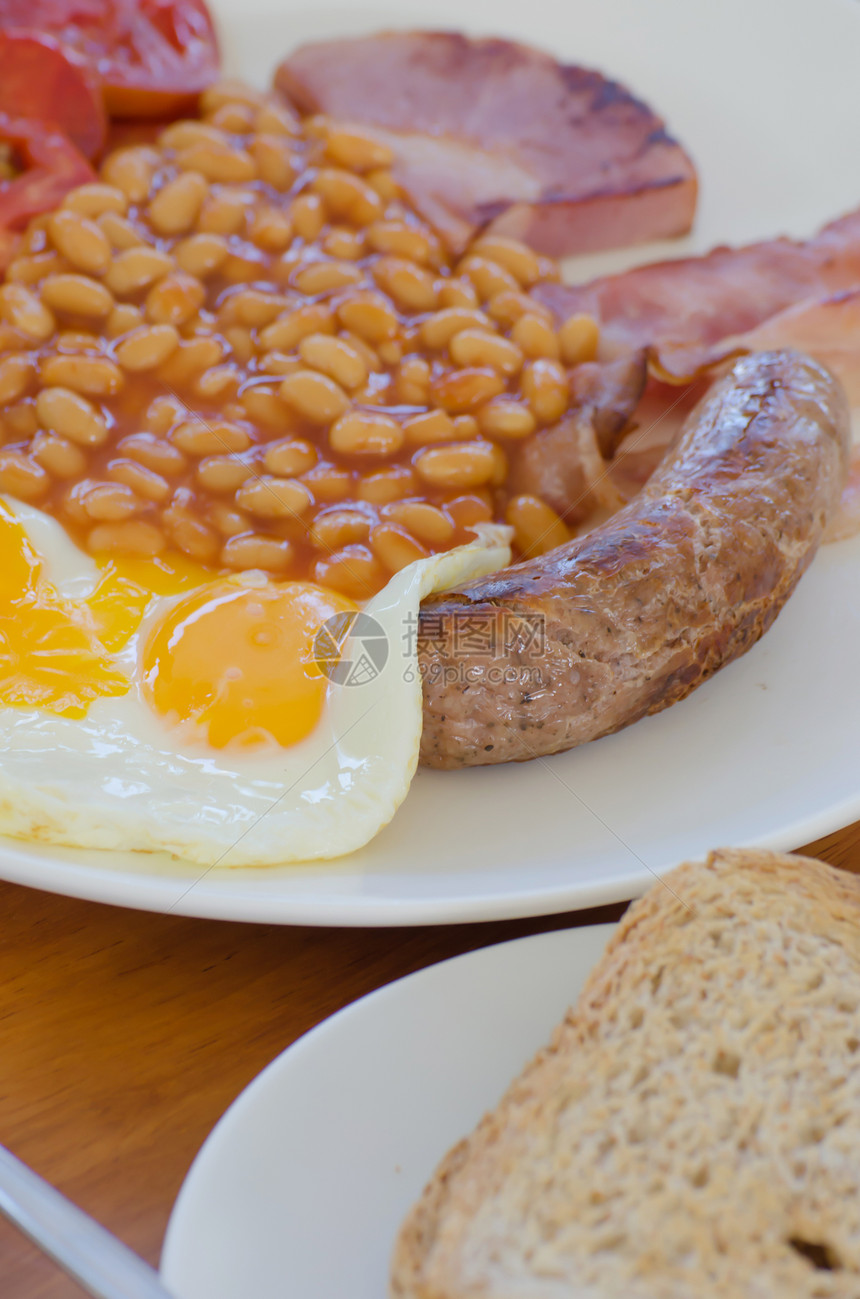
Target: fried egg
<point>155,705</point>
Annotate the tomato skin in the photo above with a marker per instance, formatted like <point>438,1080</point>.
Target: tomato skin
<point>153,57</point>
<point>40,79</point>
<point>52,166</point>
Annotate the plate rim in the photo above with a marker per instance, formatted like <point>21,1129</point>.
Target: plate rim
<point>295,1051</point>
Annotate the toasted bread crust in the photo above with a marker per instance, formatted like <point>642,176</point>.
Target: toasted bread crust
<point>693,1128</point>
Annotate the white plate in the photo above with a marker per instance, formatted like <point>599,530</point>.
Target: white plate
<point>301,1187</point>
<point>765,93</point>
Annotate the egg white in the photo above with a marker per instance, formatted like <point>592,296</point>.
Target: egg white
<point>120,779</point>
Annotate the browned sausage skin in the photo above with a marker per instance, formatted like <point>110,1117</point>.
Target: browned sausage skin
<point>633,616</point>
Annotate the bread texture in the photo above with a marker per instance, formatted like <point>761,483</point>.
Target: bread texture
<point>693,1129</point>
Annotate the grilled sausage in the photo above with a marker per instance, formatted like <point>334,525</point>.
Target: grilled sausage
<point>631,617</point>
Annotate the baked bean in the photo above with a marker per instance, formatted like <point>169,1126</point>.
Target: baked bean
<point>366,433</point>
<point>136,269</point>
<point>369,315</point>
<point>353,570</point>
<point>461,391</point>
<point>314,396</point>
<point>487,276</point>
<point>76,294</point>
<point>198,438</point>
<point>537,527</point>
<point>335,358</point>
<point>544,386</point>
<point>279,363</point>
<point>411,287</point>
<point>235,119</point>
<point>457,466</point>
<point>181,135</point>
<point>500,466</point>
<point>219,382</point>
<point>147,347</point>
<point>307,216</point>
<point>22,477</point>
<point>326,277</point>
<point>482,348</point>
<point>513,256</point>
<point>578,339</point>
<point>122,320</point>
<point>190,359</point>
<point>504,417</point>
<point>289,457</point>
<point>268,497</point>
<point>200,254</point>
<point>94,375</point>
<point>385,485</point>
<point>466,511</point>
<point>188,533</point>
<point>438,331</point>
<point>163,412</point>
<point>536,337</point>
<point>142,481</point>
<point>287,333</point>
<point>176,206</point>
<point>229,90</point>
<point>422,520</point>
<point>455,292</point>
<point>175,299</point>
<point>328,482</point>
<point>271,554</point>
<point>507,307</point>
<point>25,313</point>
<point>217,163</point>
<point>275,164</point>
<point>225,213</point>
<point>222,473</point>
<point>391,352</point>
<point>29,270</point>
<point>131,171</point>
<point>61,458</point>
<point>134,537</point>
<point>264,406</point>
<point>394,547</point>
<point>364,350</point>
<point>80,241</point>
<point>276,119</point>
<point>402,240</point>
<point>95,199</point>
<point>336,528</point>
<point>466,426</point>
<point>106,502</point>
<point>19,421</point>
<point>119,232</point>
<point>71,416</point>
<point>347,197</point>
<point>271,230</point>
<point>16,375</point>
<point>382,181</point>
<point>429,426</point>
<point>77,341</point>
<point>412,381</point>
<point>153,453</point>
<point>228,521</point>
<point>356,151</point>
<point>241,342</point>
<point>344,245</point>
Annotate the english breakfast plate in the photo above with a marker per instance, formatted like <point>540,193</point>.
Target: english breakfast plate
<point>764,754</point>
<point>300,1159</point>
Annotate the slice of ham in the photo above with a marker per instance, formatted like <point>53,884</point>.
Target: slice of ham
<point>492,134</point>
<point>684,310</point>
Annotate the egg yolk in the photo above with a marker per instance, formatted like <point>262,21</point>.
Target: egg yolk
<point>50,654</point>
<point>237,662</point>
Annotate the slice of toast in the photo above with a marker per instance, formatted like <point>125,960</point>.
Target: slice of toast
<point>693,1129</point>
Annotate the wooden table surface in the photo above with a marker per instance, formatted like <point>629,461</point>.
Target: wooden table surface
<point>125,1036</point>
